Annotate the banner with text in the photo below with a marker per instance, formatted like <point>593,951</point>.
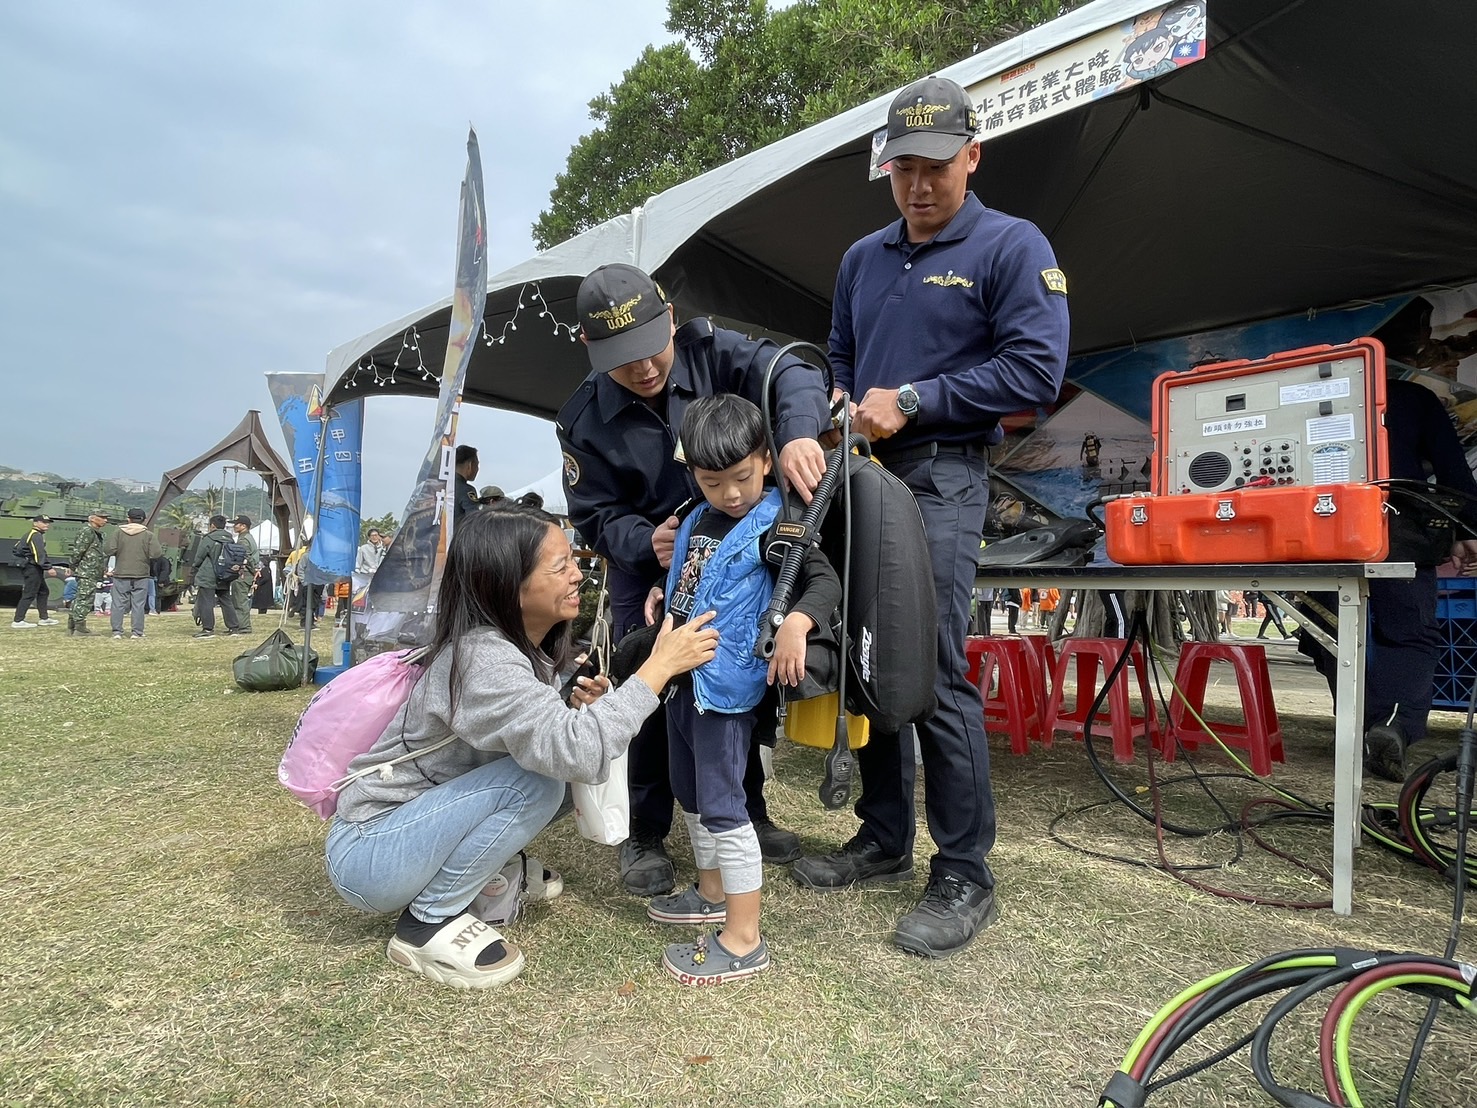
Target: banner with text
<point>402,594</point>
<point>1160,41</point>
<point>331,500</point>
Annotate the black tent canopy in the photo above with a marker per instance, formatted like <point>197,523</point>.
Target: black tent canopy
<point>1321,153</point>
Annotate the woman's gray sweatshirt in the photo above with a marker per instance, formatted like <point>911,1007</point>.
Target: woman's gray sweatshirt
<point>504,707</point>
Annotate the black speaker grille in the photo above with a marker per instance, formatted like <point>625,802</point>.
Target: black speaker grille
<point>1210,470</point>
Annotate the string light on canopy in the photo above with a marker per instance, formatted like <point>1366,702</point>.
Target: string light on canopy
<point>410,343</point>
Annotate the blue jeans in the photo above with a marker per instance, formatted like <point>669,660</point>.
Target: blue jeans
<point>952,491</point>
<point>436,852</point>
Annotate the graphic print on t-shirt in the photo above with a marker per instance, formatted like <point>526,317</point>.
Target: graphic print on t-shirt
<point>699,549</point>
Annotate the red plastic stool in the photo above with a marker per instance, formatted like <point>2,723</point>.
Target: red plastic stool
<point>1123,725</point>
<point>1015,709</point>
<point>1261,734</point>
<point>1039,647</point>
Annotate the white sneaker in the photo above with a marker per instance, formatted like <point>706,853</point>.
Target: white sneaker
<point>49,623</point>
<point>20,623</point>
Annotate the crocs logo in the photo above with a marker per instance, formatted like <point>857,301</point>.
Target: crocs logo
<point>694,979</point>
<point>463,938</point>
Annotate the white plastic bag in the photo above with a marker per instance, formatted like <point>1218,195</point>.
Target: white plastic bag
<point>603,812</point>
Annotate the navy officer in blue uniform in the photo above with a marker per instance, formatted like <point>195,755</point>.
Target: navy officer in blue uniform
<point>624,487</point>
<point>942,322</point>
<point>1405,642</point>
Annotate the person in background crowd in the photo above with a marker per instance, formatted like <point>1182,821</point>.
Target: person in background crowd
<point>35,569</point>
<point>88,561</point>
<point>264,595</point>
<point>133,547</point>
<point>371,553</point>
<point>208,591</point>
<point>941,323</point>
<point>464,497</point>
<point>624,488</point>
<point>1270,615</point>
<point>241,588</point>
<point>531,499</point>
<point>492,498</point>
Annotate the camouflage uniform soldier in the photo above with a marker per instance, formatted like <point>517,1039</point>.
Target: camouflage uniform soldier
<point>242,587</point>
<point>88,561</point>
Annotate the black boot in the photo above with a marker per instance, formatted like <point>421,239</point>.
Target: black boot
<point>646,868</point>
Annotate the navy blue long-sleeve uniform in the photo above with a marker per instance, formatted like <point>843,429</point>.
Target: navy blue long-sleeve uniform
<point>620,476</point>
<point>975,319</point>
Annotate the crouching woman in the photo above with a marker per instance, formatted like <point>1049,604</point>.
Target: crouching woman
<point>426,834</point>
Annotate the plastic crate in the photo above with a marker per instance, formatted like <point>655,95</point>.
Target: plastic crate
<point>1456,667</point>
<point>1456,598</point>
<point>324,674</point>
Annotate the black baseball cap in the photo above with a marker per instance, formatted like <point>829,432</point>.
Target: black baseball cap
<point>933,118</point>
<point>246,519</point>
<point>40,519</point>
<point>136,515</point>
<point>624,316</point>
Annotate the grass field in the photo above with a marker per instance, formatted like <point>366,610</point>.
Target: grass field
<point>170,938</point>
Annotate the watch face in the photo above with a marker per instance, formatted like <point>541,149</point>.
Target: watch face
<point>907,400</point>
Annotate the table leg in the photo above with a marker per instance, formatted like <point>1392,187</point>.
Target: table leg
<point>1348,756</point>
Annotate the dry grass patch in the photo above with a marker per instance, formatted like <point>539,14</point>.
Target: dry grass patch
<point>170,938</point>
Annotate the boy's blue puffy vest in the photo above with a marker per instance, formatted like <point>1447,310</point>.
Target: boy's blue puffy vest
<point>736,584</point>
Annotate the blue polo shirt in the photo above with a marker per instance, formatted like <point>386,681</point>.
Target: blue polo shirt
<point>620,478</point>
<point>975,319</point>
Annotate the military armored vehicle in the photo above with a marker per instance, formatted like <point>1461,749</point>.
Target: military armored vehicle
<point>69,515</point>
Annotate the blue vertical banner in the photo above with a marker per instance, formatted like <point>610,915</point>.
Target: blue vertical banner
<point>401,602</point>
<point>331,501</point>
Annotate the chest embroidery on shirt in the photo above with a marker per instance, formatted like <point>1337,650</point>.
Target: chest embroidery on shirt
<point>948,280</point>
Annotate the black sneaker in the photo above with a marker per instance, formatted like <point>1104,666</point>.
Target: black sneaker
<point>952,912</point>
<point>1384,752</point>
<point>646,868</point>
<point>777,846</point>
<point>858,862</point>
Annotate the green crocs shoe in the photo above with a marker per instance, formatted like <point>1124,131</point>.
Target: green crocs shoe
<point>706,962</point>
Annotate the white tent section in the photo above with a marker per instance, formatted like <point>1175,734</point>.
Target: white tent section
<point>1288,171</point>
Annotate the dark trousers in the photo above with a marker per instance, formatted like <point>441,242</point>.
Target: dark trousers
<point>708,755</point>
<point>33,589</point>
<point>1403,653</point>
<point>648,771</point>
<point>205,601</point>
<point>952,493</point>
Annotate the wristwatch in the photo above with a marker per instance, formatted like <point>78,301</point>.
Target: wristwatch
<point>907,401</point>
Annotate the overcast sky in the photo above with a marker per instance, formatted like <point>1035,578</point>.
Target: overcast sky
<point>192,195</point>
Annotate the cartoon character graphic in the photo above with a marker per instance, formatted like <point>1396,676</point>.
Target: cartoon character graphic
<point>1148,56</point>
<point>1186,21</point>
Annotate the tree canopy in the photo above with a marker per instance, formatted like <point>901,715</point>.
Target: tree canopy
<point>742,74</point>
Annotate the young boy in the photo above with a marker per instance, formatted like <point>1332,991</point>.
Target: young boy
<point>719,566</point>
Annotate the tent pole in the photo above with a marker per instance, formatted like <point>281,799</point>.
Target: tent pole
<point>310,612</point>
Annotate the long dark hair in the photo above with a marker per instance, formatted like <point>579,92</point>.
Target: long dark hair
<point>491,555</point>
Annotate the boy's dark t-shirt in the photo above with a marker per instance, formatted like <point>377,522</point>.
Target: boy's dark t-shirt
<point>711,528</point>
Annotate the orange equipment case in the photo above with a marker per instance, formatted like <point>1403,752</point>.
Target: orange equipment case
<point>1263,461</point>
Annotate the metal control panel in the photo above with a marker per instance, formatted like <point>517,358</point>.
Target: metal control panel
<point>1308,417</point>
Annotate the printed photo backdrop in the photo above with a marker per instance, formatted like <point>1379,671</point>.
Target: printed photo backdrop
<point>1089,448</point>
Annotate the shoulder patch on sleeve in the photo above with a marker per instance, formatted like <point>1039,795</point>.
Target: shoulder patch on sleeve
<point>1055,280</point>
<point>571,470</point>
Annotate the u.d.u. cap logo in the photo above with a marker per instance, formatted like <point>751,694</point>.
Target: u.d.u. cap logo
<point>1055,281</point>
<point>618,316</point>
